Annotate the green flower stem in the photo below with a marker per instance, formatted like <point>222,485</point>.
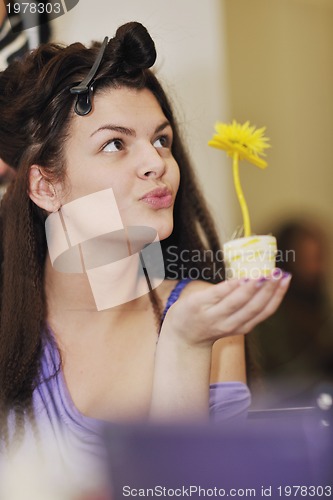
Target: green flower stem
<point>240,195</point>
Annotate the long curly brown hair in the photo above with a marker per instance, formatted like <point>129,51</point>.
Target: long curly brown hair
<point>36,107</point>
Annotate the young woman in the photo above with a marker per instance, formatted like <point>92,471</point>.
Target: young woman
<point>74,122</point>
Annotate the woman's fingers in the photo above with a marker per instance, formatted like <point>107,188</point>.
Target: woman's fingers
<point>238,297</point>
<point>231,294</point>
<point>219,292</point>
<point>248,304</point>
<point>229,308</point>
<point>271,306</point>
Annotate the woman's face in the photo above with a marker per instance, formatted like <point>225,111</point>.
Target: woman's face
<point>125,144</point>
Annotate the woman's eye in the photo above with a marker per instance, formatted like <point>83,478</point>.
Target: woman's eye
<point>112,146</point>
<point>162,142</point>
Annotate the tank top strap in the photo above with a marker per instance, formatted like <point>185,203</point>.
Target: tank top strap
<point>174,295</point>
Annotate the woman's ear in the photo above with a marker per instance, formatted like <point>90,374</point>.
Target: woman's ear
<point>42,192</point>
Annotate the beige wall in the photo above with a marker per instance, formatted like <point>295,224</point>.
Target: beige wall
<point>280,74</point>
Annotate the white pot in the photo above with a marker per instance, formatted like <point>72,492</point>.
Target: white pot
<point>252,257</point>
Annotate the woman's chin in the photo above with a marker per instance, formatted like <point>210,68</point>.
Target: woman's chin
<point>162,226</point>
<point>164,233</point>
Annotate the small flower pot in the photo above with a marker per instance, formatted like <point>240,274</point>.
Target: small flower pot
<point>251,257</point>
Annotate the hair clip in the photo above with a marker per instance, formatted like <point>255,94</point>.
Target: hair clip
<point>85,88</point>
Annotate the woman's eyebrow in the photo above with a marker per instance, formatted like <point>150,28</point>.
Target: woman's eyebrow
<point>115,128</point>
<point>162,126</point>
<point>128,131</point>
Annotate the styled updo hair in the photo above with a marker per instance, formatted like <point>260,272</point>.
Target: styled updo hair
<point>36,108</point>
<point>135,48</point>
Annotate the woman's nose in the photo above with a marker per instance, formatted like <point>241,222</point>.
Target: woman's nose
<point>150,162</point>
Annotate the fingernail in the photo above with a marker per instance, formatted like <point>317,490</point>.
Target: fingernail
<point>244,280</point>
<point>261,281</point>
<point>286,277</point>
<point>277,273</point>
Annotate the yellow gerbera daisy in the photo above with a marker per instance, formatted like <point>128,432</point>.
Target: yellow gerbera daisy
<point>244,140</point>
<point>241,142</point>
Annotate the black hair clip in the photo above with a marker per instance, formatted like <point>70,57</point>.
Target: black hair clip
<point>85,88</point>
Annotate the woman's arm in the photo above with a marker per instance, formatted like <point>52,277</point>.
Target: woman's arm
<point>181,379</point>
<point>192,325</point>
<point>228,360</point>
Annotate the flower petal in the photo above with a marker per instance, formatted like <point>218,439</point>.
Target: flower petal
<point>245,139</point>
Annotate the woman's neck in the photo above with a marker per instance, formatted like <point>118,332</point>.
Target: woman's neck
<point>71,302</point>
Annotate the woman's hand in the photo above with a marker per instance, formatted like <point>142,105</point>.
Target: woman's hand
<point>203,314</point>
<point>229,308</point>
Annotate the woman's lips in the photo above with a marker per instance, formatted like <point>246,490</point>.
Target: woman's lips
<point>158,198</point>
